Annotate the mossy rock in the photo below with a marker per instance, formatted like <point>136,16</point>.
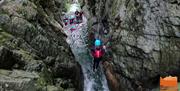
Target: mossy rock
<point>4,37</point>
<point>45,79</point>
<point>67,6</point>
<point>52,88</point>
<point>4,72</point>
<point>25,55</point>
<point>28,12</point>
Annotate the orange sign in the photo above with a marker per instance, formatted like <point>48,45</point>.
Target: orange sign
<point>169,84</point>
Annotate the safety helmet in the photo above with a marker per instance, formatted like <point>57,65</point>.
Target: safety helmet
<point>72,17</point>
<point>97,42</point>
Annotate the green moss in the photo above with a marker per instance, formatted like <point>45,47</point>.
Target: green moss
<point>4,36</point>
<point>67,6</point>
<point>26,55</point>
<point>61,89</point>
<point>2,11</point>
<point>169,55</point>
<point>89,24</point>
<point>25,3</point>
<point>45,78</point>
<point>4,72</point>
<point>22,11</point>
<point>114,8</point>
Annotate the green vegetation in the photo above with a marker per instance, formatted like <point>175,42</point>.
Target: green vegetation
<point>26,55</point>
<point>4,72</point>
<point>25,3</point>
<point>67,6</point>
<point>3,11</point>
<point>4,36</point>
<point>23,12</point>
<point>45,78</point>
<point>114,7</point>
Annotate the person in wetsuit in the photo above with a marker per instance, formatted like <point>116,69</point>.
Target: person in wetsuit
<point>97,54</point>
<point>78,16</point>
<point>65,20</point>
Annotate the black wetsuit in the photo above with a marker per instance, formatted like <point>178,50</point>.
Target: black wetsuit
<point>96,63</point>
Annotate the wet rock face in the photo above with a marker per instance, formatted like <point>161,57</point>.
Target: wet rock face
<point>147,44</point>
<point>32,39</point>
<point>145,39</point>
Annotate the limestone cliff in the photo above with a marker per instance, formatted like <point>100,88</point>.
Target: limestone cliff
<point>32,39</point>
<point>145,40</point>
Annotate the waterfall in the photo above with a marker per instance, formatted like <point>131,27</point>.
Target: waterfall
<point>93,81</point>
<point>1,1</point>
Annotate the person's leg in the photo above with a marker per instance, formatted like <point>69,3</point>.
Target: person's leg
<point>94,64</point>
<point>99,60</point>
<point>97,63</point>
<point>78,19</point>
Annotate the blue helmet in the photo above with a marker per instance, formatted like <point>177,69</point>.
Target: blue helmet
<point>72,16</point>
<point>97,42</point>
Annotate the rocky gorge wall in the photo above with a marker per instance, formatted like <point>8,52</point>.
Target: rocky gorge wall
<point>145,40</point>
<point>34,55</point>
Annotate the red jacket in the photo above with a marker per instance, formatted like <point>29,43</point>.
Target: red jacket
<point>97,53</point>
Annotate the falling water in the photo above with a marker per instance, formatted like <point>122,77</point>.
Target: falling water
<point>93,81</point>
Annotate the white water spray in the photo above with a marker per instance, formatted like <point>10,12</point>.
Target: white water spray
<point>93,81</point>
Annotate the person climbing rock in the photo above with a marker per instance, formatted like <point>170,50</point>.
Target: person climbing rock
<point>73,28</point>
<point>77,12</point>
<point>78,16</point>
<point>72,18</point>
<point>65,20</point>
<point>97,52</point>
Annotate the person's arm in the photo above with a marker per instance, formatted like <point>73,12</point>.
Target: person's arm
<point>92,48</point>
<point>92,53</point>
<point>103,52</point>
<point>104,48</point>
